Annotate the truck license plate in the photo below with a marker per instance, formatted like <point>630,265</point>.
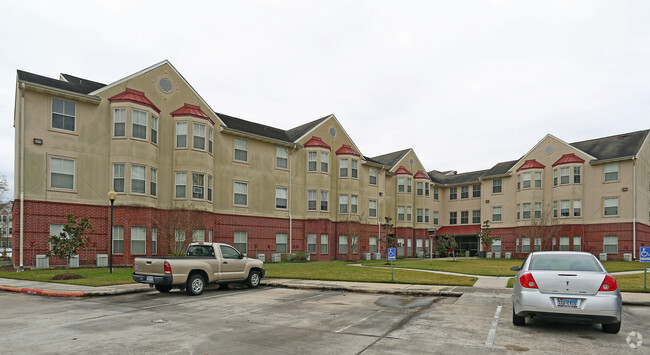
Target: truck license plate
<point>149,279</point>
<point>567,302</point>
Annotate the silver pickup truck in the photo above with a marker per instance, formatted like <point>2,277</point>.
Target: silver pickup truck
<point>203,264</point>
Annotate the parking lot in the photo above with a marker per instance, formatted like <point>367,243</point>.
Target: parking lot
<point>277,320</point>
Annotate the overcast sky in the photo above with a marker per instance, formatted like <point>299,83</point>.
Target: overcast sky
<point>466,84</point>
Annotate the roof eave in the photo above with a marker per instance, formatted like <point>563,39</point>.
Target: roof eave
<point>611,160</point>
<point>238,133</point>
<point>60,92</point>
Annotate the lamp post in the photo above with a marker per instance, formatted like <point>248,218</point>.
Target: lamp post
<point>111,196</point>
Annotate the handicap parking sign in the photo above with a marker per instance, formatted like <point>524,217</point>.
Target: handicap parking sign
<point>391,253</point>
<point>645,254</point>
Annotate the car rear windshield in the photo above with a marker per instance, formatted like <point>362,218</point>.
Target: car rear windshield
<point>200,250</point>
<point>567,262</point>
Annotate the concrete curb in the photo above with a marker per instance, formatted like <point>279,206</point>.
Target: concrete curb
<point>31,291</point>
<point>362,290</point>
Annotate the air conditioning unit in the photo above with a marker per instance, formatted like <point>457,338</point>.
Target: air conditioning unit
<point>603,256</point>
<point>377,256</point>
<point>508,255</point>
<point>74,261</point>
<point>261,257</point>
<point>42,262</point>
<point>276,257</point>
<point>366,256</point>
<point>627,256</point>
<point>497,255</point>
<point>102,260</point>
<point>488,255</point>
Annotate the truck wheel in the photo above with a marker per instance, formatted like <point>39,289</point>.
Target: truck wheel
<point>253,279</point>
<point>195,285</point>
<point>163,288</point>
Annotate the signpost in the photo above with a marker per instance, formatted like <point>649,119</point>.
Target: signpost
<point>391,257</point>
<point>644,258</point>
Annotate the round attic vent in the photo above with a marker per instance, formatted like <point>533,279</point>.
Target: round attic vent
<point>166,85</point>
<point>332,132</point>
<point>548,149</point>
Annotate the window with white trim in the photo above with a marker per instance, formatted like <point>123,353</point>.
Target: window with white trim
<point>139,124</point>
<point>181,185</point>
<point>554,177</point>
<point>464,192</point>
<point>154,241</point>
<point>198,136</point>
<point>577,208</point>
<point>426,215</point>
<point>118,177</point>
<point>281,158</point>
<point>154,129</point>
<point>464,217</point>
<point>497,186</point>
<point>400,213</point>
<point>537,244</point>
<point>312,157</point>
<point>538,179</point>
<point>281,242</point>
<point>409,213</point>
<point>354,169</point>
<point>564,244</point>
<point>538,210</point>
<point>476,190</point>
<point>419,215</point>
<point>198,186</point>
<point>610,206</point>
<point>343,167</point>
<point>564,175</point>
<point>240,193</point>
<point>409,185</point>
<point>419,188</point>
<point>436,218</point>
<point>62,173</point>
<point>63,115</point>
<point>611,172</point>
<point>324,162</point>
<point>343,244</point>
<point>138,240</point>
<point>119,122</point>
<point>179,240</point>
<point>210,139</point>
<point>453,217</point>
<point>526,180</point>
<point>577,243</point>
<point>281,194</point>
<point>577,176</point>
<point>354,204</point>
<point>311,200</point>
<point>372,245</point>
<point>138,179</point>
<point>453,193</point>
<point>610,244</point>
<point>324,200</point>
<point>343,204</point>
<point>240,241</point>
<point>372,208</point>
<point>241,149</point>
<point>496,213</point>
<point>372,172</point>
<point>525,213</point>
<point>209,188</point>
<point>565,206</point>
<point>525,245</point>
<point>324,240</point>
<point>496,245</point>
<point>118,239</point>
<point>181,134</point>
<point>476,216</point>
<point>311,243</point>
<point>401,184</point>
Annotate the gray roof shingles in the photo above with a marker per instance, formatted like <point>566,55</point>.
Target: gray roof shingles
<point>74,84</point>
<point>613,147</point>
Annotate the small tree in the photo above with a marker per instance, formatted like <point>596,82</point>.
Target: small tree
<point>448,242</point>
<point>545,229</point>
<point>486,234</point>
<point>71,239</point>
<point>388,239</point>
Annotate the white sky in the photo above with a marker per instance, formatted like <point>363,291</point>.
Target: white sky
<point>466,84</point>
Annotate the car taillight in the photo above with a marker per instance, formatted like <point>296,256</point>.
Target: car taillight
<point>527,280</point>
<point>609,284</point>
<point>168,268</point>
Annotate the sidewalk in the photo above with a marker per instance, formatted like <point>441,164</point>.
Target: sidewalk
<point>485,284</point>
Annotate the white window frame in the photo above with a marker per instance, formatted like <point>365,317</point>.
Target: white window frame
<point>240,241</point>
<point>180,185</point>
<point>312,161</point>
<point>199,131</point>
<point>138,240</point>
<point>65,115</point>
<point>240,150</point>
<point>343,167</point>
<point>240,193</point>
<point>372,208</point>
<point>311,243</point>
<point>138,177</point>
<point>312,200</point>
<point>198,186</point>
<point>154,129</point>
<point>139,124</point>
<point>153,188</point>
<point>354,204</point>
<point>62,166</point>
<point>281,158</point>
<point>281,242</point>
<point>343,244</point>
<point>611,172</point>
<point>281,198</point>
<point>324,200</point>
<point>324,162</point>
<point>372,176</point>
<point>343,204</point>
<point>497,214</point>
<point>154,241</point>
<point>577,208</point>
<point>497,186</point>
<point>324,243</point>
<point>118,239</point>
<point>119,173</point>
<point>119,120</point>
<point>610,244</point>
<point>181,135</point>
<point>610,206</point>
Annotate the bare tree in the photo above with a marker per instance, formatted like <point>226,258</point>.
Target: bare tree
<point>353,232</point>
<point>4,187</point>
<point>544,228</point>
<point>389,240</point>
<point>173,226</point>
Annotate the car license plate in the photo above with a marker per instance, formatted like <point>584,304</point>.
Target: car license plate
<point>149,279</point>
<point>567,302</point>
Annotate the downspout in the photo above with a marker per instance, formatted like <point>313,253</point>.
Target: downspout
<point>634,210</point>
<point>22,174</point>
<point>289,201</point>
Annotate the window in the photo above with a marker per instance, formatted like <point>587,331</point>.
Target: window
<point>496,186</point>
<point>554,209</point>
<point>56,229</point>
<point>408,247</point>
<point>240,242</point>
<point>343,244</point>
<point>62,173</point>
<point>496,214</point>
<point>138,240</point>
<point>210,143</point>
<point>476,190</point>
<point>401,182</point>
<point>518,182</point>
<point>198,186</point>
<point>435,218</point>
<point>281,158</point>
<point>464,217</point>
<point>63,115</point>
<point>119,122</point>
<point>139,124</point>
<point>198,139</point>
<point>138,179</point>
<point>564,176</point>
<point>496,245</point>
<point>355,169</point>
<point>409,212</point>
<point>311,161</point>
<point>354,204</point>
<point>538,179</point>
<point>241,193</point>
<point>409,184</point>
<point>354,243</point>
<point>281,194</point>
<point>427,190</point>
<point>538,244</point>
<point>464,192</point>
<point>564,244</point>
<point>281,242</point>
<point>181,185</point>
<point>576,243</point>
<point>372,245</point>
<point>476,216</point>
<point>400,213</point>
<point>555,177</point>
<point>525,210</point>
<point>400,246</point>
<point>426,215</point>
<point>324,162</point>
<point>611,172</point>
<point>419,215</point>
<point>435,193</point>
<point>324,238</point>
<point>311,200</point>
<point>419,188</point>
<point>538,210</point>
<point>154,182</point>
<point>343,204</point>
<point>229,252</point>
<point>179,240</point>
<point>372,172</point>
<point>372,208</point>
<point>118,240</point>
<point>324,200</point>
<point>118,177</point>
<point>418,247</point>
<point>311,243</point>
<point>525,245</point>
<point>154,130</point>
<point>554,242</point>
<point>209,188</point>
<point>526,177</point>
<point>343,170</point>
<point>610,244</point>
<point>577,208</point>
<point>453,217</point>
<point>565,206</point>
<point>181,134</point>
<point>516,245</point>
<point>577,178</point>
<point>518,215</point>
<point>154,241</point>
<point>241,150</point>
<point>453,193</point>
<point>611,206</point>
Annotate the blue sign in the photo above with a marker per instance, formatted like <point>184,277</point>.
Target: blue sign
<point>644,254</point>
<point>391,253</point>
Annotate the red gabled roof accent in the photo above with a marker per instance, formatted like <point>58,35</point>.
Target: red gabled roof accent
<point>531,164</point>
<point>402,170</point>
<point>346,149</point>
<point>135,96</point>
<point>191,110</point>
<point>317,142</point>
<point>459,230</point>
<point>568,159</point>
<point>421,175</point>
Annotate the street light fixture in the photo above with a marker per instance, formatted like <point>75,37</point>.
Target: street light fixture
<point>112,195</point>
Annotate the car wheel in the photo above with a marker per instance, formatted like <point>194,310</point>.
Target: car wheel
<point>195,285</point>
<point>163,288</point>
<point>612,328</point>
<point>253,279</point>
<point>518,320</point>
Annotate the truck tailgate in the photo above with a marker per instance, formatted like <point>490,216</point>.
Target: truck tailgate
<point>149,266</point>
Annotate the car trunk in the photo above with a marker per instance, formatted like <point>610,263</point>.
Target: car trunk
<point>568,282</point>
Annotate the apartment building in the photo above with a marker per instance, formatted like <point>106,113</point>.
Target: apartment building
<point>184,172</point>
<point>6,225</point>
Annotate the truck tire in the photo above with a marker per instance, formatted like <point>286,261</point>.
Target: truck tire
<point>253,279</point>
<point>195,285</point>
<point>164,288</point>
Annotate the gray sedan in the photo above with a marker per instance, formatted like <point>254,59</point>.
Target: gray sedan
<point>566,286</point>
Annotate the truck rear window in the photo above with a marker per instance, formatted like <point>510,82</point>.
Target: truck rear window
<point>200,250</point>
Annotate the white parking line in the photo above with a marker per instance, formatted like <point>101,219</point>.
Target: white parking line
<point>493,328</point>
<point>360,321</point>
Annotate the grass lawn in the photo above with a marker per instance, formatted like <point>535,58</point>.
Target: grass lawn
<point>483,267</point>
<point>91,276</point>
